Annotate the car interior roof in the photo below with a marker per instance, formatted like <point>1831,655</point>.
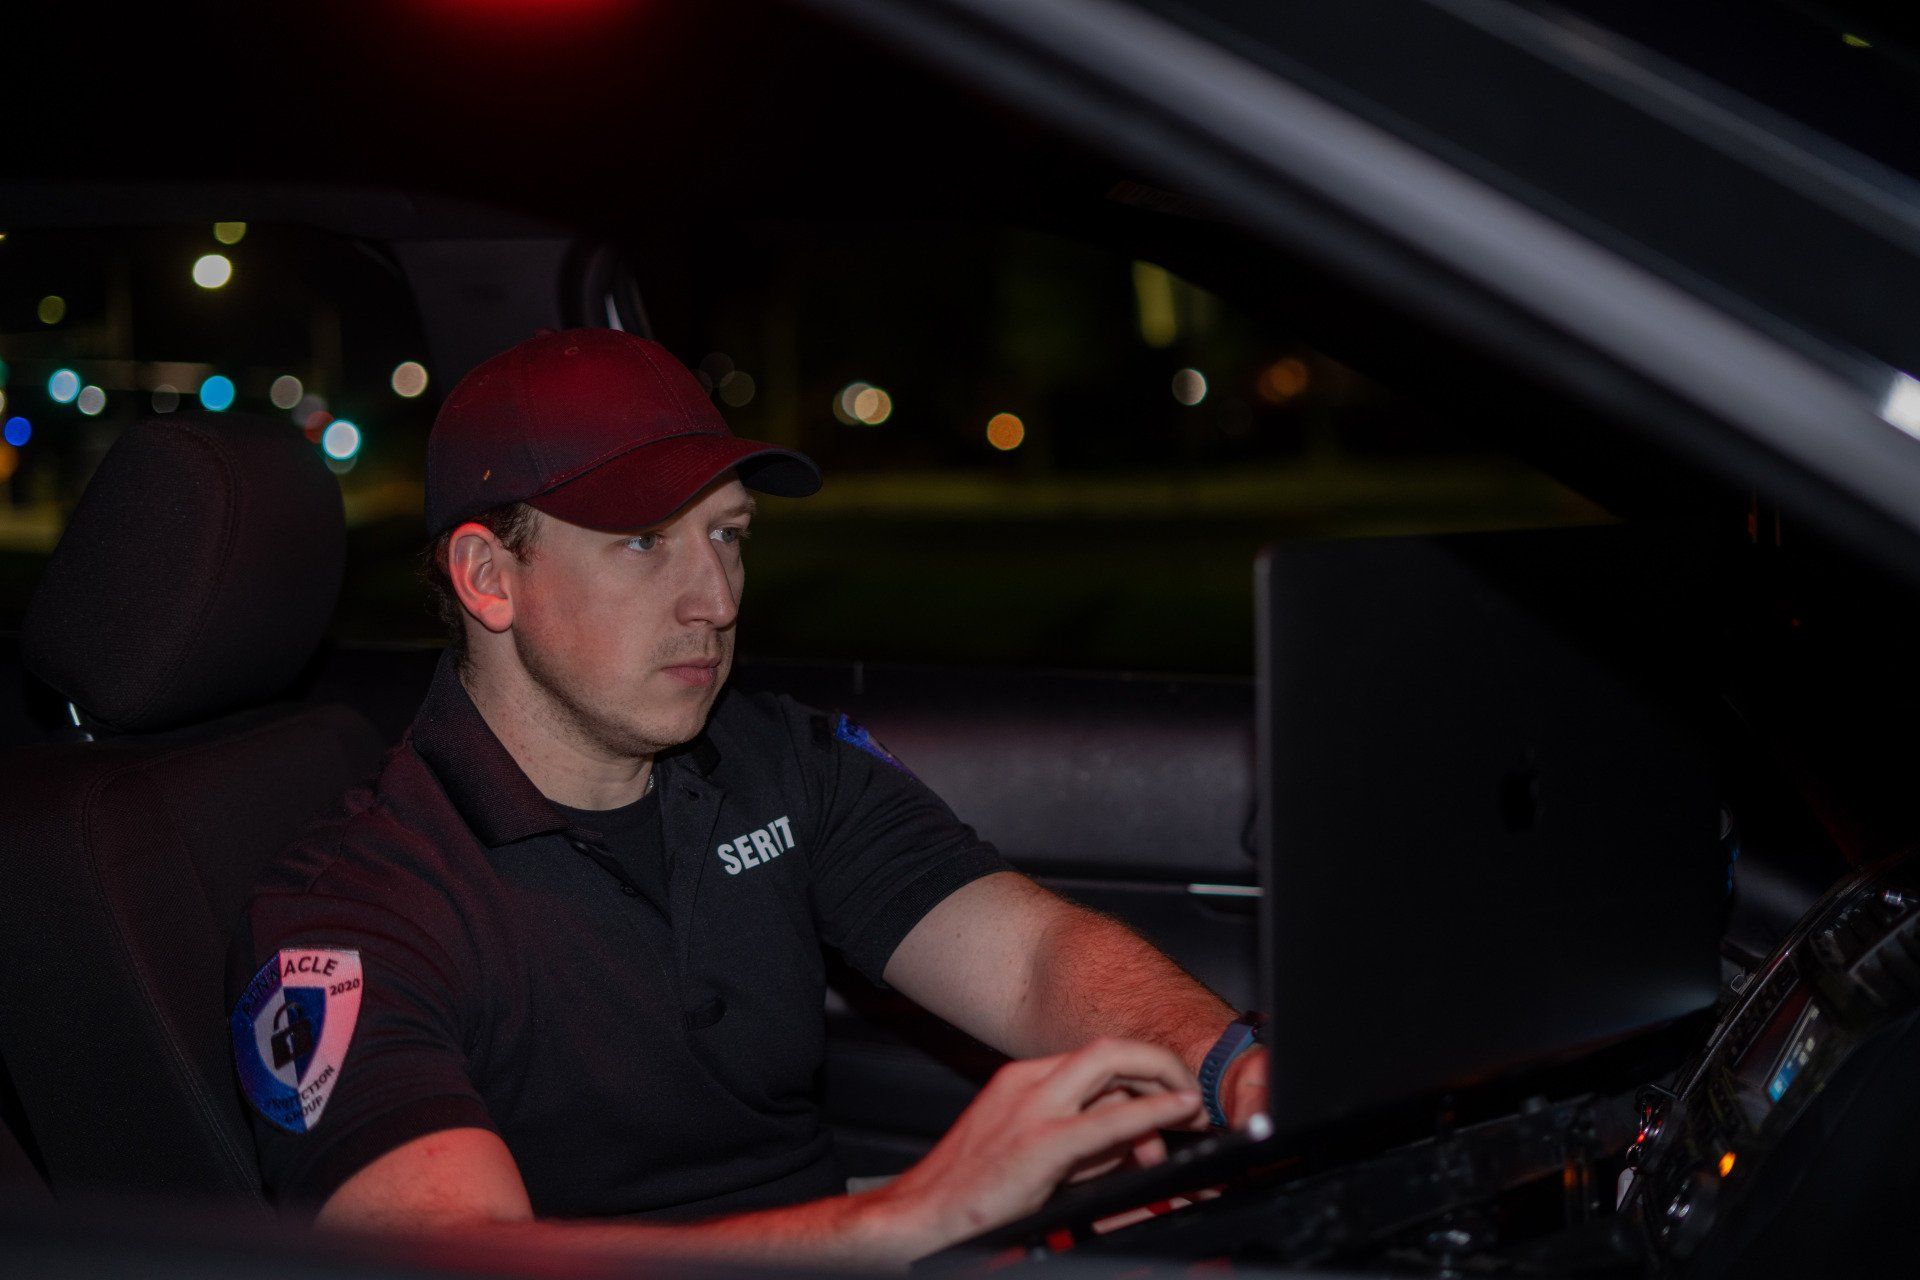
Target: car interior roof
<point>589,112</point>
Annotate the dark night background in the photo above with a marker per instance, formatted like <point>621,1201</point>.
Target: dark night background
<point>804,216</point>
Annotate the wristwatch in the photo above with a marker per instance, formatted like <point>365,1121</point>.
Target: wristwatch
<point>1241,1033</point>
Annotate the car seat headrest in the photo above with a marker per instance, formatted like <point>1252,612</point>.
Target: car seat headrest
<point>197,575</point>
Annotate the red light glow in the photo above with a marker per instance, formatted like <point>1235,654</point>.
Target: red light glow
<point>537,9</point>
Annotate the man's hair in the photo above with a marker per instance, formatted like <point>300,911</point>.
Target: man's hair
<point>514,524</point>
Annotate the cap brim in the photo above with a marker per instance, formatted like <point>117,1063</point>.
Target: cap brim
<point>648,483</point>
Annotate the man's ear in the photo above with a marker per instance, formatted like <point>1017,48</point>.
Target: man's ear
<point>481,570</point>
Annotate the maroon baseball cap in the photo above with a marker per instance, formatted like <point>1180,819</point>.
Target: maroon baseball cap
<point>595,426</point>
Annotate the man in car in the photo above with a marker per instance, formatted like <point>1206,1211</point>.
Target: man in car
<point>558,969</point>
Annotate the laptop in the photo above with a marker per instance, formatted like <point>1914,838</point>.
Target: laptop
<point>1489,835</point>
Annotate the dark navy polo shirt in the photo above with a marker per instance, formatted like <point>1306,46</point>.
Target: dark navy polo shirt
<point>637,1056</point>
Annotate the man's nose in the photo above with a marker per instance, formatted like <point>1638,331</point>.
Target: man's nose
<point>708,594</point>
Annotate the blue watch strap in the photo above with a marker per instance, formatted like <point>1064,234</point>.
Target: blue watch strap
<point>1233,1042</point>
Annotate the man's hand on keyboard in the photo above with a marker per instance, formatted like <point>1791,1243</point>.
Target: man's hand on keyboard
<point>1039,1122</point>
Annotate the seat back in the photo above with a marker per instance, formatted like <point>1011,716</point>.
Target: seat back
<point>193,585</point>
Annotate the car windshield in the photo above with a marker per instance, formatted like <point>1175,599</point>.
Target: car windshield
<point>1755,154</point>
<point>1040,450</point>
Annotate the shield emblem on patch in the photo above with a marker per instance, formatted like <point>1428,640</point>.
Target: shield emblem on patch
<point>290,1032</point>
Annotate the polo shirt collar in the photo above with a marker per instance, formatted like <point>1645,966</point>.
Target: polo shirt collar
<point>486,784</point>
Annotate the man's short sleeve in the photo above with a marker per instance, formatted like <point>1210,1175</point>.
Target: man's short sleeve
<point>888,849</point>
<point>335,1075</point>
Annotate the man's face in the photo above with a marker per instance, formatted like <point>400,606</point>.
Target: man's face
<point>632,632</point>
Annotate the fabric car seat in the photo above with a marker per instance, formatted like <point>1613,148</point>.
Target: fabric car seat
<point>193,585</point>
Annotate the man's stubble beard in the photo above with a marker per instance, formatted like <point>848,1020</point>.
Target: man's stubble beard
<point>579,712</point>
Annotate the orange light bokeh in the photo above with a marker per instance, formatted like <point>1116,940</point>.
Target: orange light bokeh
<point>1005,432</point>
<point>1283,380</point>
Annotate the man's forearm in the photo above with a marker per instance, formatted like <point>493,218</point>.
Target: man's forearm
<point>1092,976</point>
<point>865,1231</point>
<point>1030,1127</point>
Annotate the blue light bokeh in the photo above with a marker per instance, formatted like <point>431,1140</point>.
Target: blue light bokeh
<point>216,393</point>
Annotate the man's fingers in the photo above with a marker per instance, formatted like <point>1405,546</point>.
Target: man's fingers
<point>1101,1128</point>
<point>1087,1073</point>
<point>1141,1153</point>
<point>1150,1151</point>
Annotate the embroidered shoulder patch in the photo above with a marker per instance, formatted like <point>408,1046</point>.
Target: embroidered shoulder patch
<point>291,1030</point>
<point>854,734</point>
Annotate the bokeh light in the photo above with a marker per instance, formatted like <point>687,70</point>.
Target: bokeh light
<point>285,391</point>
<point>52,309</point>
<point>861,404</point>
<point>229,232</point>
<point>63,386</point>
<point>91,401</point>
<point>843,403</point>
<point>713,369</point>
<point>166,398</point>
<point>1284,379</point>
<point>1157,308</point>
<point>409,378</point>
<point>17,431</point>
<point>216,393</point>
<point>737,388</point>
<point>308,405</point>
<point>3,400</point>
<point>1005,432</point>
<point>873,406</point>
<point>212,270</point>
<point>1189,386</point>
<point>5,369</point>
<point>9,461</point>
<point>341,440</point>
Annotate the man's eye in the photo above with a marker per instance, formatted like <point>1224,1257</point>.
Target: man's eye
<point>644,542</point>
<point>730,535</point>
